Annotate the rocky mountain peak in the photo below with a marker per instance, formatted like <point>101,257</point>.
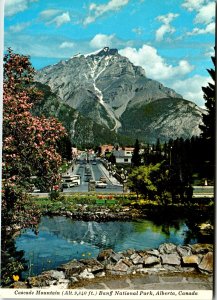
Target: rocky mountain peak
<point>107,51</point>
<point>107,88</point>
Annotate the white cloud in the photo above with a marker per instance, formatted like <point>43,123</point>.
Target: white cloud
<point>206,14</point>
<point>97,11</point>
<point>19,27</point>
<point>61,19</point>
<point>191,5</point>
<point>138,30</point>
<point>67,45</point>
<point>172,76</point>
<point>166,27</point>
<point>210,28</point>
<point>210,52</point>
<point>191,88</point>
<point>102,40</point>
<point>13,7</point>
<point>49,13</point>
<point>154,65</point>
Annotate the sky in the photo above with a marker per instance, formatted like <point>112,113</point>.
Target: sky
<point>173,40</point>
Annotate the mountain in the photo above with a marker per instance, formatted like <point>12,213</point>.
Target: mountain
<point>83,131</point>
<point>107,88</point>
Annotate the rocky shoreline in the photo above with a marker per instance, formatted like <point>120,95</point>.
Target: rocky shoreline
<point>101,214</point>
<point>168,258</point>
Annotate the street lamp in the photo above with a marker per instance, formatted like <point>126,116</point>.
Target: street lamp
<point>171,155</point>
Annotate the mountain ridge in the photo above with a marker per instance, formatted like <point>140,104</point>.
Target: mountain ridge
<point>105,86</point>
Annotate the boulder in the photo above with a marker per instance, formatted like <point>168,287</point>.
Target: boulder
<point>201,248</point>
<point>73,279</point>
<point>71,268</point>
<point>100,274</point>
<point>86,274</point>
<point>184,250</point>
<point>19,285</point>
<point>119,268</point>
<point>170,259</point>
<point>115,257</point>
<point>54,274</point>
<point>127,262</point>
<point>129,252</point>
<point>137,259</point>
<point>92,264</point>
<point>154,252</point>
<point>151,260</point>
<point>191,260</point>
<point>207,263</point>
<point>167,248</point>
<point>60,284</point>
<point>105,254</point>
<point>38,281</point>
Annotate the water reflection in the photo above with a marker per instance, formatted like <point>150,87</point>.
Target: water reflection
<point>61,239</point>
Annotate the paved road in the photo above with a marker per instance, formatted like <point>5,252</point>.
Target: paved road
<point>96,170</point>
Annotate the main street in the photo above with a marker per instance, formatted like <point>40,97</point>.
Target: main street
<point>96,170</point>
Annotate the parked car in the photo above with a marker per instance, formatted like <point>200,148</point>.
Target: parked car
<point>88,178</point>
<point>64,185</point>
<point>103,179</point>
<point>100,184</point>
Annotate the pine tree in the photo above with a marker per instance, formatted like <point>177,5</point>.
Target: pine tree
<point>208,127</point>
<point>136,157</point>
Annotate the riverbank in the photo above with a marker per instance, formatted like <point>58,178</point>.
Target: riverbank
<point>168,260</point>
<point>102,207</point>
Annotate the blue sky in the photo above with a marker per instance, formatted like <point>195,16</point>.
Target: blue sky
<point>171,39</point>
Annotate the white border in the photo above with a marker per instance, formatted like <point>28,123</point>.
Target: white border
<point>107,294</point>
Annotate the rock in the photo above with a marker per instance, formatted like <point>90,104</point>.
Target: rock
<point>92,264</point>
<point>167,248</point>
<point>100,274</point>
<point>201,248</point>
<point>172,268</point>
<point>207,263</point>
<point>73,279</point>
<point>136,259</point>
<point>61,284</point>
<point>151,260</point>
<point>86,274</point>
<point>105,254</point>
<point>38,281</point>
<point>142,253</point>
<point>119,267</point>
<point>127,262</point>
<point>184,250</point>
<point>129,252</point>
<point>170,259</point>
<point>116,257</point>
<point>71,268</point>
<point>19,285</point>
<point>154,252</point>
<point>54,274</point>
<point>191,260</point>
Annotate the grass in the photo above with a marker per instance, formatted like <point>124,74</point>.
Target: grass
<point>76,201</point>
